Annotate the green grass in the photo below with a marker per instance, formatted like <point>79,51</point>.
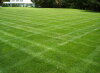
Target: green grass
<point>43,40</point>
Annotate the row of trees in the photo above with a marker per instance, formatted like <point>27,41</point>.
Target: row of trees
<point>81,4</point>
<point>1,2</point>
<point>48,3</point>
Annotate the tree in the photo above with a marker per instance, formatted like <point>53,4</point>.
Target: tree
<point>1,2</point>
<point>94,4</point>
<point>48,3</point>
<point>80,4</point>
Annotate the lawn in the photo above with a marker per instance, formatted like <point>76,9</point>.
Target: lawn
<point>44,40</point>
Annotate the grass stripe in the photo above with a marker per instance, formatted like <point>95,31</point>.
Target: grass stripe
<point>39,55</point>
<point>36,34</point>
<point>77,23</point>
<point>47,48</point>
<point>84,66</point>
<point>69,34</point>
<point>44,31</point>
<point>75,31</point>
<point>77,37</point>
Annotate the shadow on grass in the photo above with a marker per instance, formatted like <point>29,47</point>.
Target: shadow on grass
<point>71,8</point>
<point>91,11</point>
<point>80,10</point>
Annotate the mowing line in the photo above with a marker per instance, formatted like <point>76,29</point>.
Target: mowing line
<point>64,35</point>
<point>61,26</point>
<point>84,66</point>
<point>22,14</point>
<point>68,34</point>
<point>30,52</point>
<point>77,30</point>
<point>52,61</point>
<point>37,55</point>
<point>29,27</point>
<point>58,37</point>
<point>38,45</point>
<point>59,65</point>
<point>17,19</point>
<point>35,19</point>
<point>27,21</point>
<point>35,42</point>
<point>47,18</point>
<point>43,30</point>
<point>37,29</point>
<point>78,37</point>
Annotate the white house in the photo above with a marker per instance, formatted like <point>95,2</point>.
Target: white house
<point>20,3</point>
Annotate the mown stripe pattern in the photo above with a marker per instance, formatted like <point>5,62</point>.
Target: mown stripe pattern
<point>36,40</point>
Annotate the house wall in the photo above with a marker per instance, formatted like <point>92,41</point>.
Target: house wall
<point>19,3</point>
<point>25,1</point>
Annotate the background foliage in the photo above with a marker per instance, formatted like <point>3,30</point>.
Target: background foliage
<point>81,4</point>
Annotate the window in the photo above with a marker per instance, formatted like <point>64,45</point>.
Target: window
<point>21,0</point>
<point>17,0</point>
<point>13,0</point>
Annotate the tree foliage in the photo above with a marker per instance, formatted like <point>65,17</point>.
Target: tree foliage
<point>81,4</point>
<point>48,3</point>
<point>1,2</point>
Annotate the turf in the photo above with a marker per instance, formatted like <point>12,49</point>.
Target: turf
<point>44,40</point>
